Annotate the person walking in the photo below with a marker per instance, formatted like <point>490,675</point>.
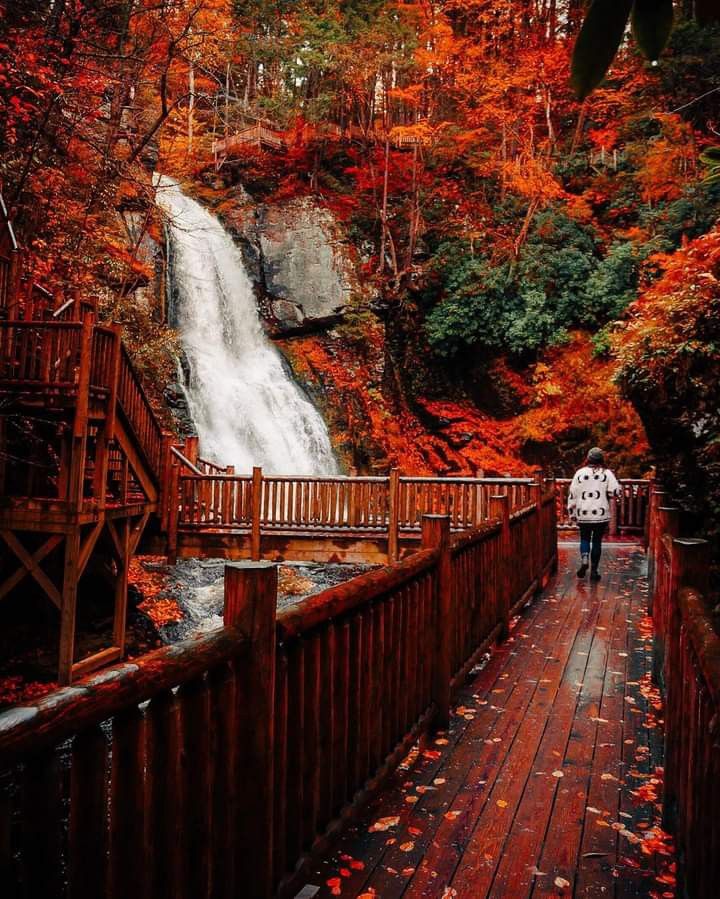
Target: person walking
<point>592,489</point>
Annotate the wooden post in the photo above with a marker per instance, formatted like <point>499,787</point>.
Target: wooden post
<point>228,505</point>
<point>166,458</point>
<point>614,528</point>
<point>173,513</point>
<point>257,483</point>
<point>107,431</point>
<point>121,586</point>
<point>250,606</point>
<point>500,508</point>
<point>646,523</point>
<point>656,498</point>
<point>191,449</point>
<point>554,523</point>
<point>689,567</point>
<point>436,535</point>
<point>393,514</point>
<point>537,495</point>
<point>80,422</point>
<point>68,608</point>
<point>667,523</point>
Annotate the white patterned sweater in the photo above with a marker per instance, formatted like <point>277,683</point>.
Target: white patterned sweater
<point>590,493</point>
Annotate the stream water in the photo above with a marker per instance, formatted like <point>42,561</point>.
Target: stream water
<point>245,405</point>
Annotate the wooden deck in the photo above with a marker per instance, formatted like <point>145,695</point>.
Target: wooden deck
<point>545,783</point>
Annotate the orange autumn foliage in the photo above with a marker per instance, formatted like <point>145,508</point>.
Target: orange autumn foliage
<point>568,391</point>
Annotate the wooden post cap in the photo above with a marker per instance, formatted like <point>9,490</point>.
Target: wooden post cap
<point>691,558</point>
<point>246,585</point>
<point>435,530</point>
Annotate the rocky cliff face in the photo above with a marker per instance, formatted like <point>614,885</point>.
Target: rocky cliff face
<point>305,270</point>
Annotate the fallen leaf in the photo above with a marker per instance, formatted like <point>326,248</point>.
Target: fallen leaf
<point>384,824</point>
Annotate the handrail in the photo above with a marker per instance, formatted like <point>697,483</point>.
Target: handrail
<point>252,742</point>
<point>139,412</point>
<point>90,701</point>
<point>300,618</point>
<point>686,666</point>
<point>430,480</point>
<point>185,461</point>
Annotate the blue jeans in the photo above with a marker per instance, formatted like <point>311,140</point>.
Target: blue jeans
<point>591,541</point>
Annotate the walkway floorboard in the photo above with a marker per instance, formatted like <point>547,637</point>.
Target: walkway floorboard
<point>546,783</point>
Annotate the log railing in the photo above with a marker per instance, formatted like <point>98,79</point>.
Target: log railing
<point>40,354</point>
<point>49,355</point>
<point>322,503</point>
<point>628,513</point>
<point>217,766</point>
<point>387,508</point>
<point>132,782</point>
<point>687,667</point>
<point>139,413</point>
<point>5,282</point>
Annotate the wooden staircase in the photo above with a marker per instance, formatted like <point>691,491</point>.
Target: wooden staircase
<point>83,465</point>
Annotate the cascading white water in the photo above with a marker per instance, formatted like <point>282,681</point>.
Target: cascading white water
<point>246,407</point>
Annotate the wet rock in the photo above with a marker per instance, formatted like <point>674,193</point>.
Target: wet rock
<point>199,588</point>
<point>303,266</point>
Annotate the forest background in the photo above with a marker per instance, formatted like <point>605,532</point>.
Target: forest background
<point>543,271</point>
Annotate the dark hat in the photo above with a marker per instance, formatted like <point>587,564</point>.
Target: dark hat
<point>596,456</point>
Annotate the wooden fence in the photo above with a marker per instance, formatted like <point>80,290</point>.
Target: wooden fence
<point>628,514</point>
<point>218,766</point>
<point>50,355</point>
<point>687,666</point>
<point>259,511</point>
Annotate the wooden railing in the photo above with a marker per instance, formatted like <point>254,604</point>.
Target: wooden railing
<point>139,413</point>
<point>217,766</point>
<point>628,514</point>
<point>389,507</point>
<point>103,357</point>
<point>218,501</point>
<point>49,354</point>
<point>40,354</point>
<point>687,667</point>
<point>5,277</point>
<point>133,782</point>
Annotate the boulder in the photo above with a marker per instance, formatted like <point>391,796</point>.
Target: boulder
<point>302,264</point>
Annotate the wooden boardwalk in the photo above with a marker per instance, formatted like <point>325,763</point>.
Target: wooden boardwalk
<point>546,782</point>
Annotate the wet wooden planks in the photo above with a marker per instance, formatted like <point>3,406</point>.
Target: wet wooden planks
<point>530,793</point>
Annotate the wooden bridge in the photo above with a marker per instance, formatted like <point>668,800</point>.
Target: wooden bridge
<point>358,744</point>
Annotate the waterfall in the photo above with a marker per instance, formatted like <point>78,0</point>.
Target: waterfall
<point>246,407</point>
